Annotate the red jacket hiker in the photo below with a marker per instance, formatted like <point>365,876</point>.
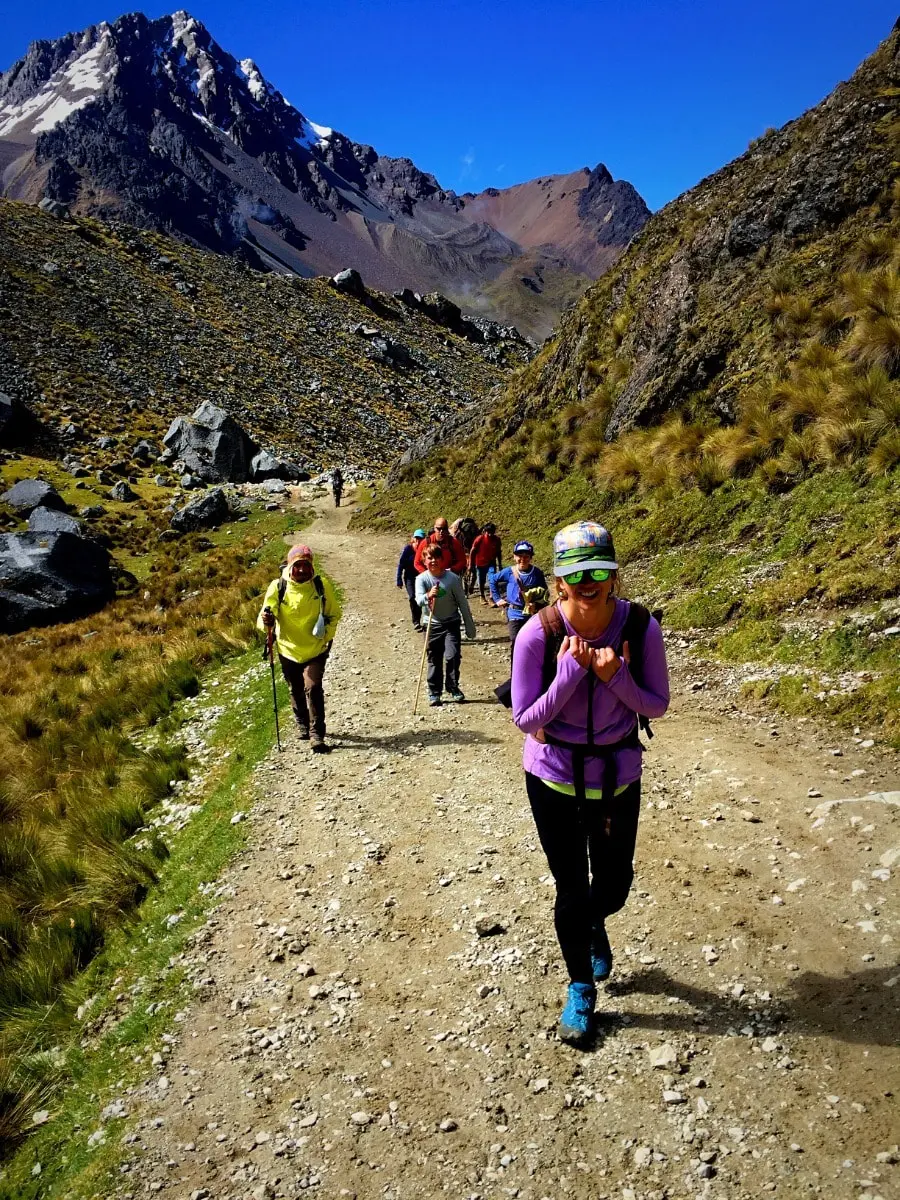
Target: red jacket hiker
<point>485,551</point>
<point>450,545</point>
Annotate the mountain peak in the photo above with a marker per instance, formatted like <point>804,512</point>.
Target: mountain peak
<point>153,122</point>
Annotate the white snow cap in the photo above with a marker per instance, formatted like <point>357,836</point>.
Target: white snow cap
<point>73,86</point>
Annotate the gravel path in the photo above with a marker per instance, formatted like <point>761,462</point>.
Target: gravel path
<point>354,1035</point>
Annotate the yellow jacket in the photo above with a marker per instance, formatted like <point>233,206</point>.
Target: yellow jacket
<point>296,616</point>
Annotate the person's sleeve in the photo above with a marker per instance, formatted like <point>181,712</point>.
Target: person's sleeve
<point>531,709</point>
<point>405,555</point>
<point>462,603</point>
<point>495,590</point>
<point>460,558</point>
<point>651,699</point>
<point>421,589</point>
<point>333,610</point>
<point>418,561</point>
<point>269,601</point>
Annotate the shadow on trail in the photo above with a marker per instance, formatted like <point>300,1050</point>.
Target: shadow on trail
<point>401,741</point>
<point>856,1008</point>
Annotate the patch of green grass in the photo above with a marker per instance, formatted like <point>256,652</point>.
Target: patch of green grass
<point>140,959</point>
<point>75,780</point>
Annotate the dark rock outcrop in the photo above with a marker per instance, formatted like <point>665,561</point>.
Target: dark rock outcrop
<point>264,466</point>
<point>350,283</point>
<point>207,512</point>
<point>49,577</point>
<point>18,424</point>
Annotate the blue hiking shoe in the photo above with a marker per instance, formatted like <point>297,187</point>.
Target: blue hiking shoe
<point>576,1025</point>
<point>601,955</point>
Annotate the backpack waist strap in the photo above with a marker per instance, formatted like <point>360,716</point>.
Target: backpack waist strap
<point>582,751</point>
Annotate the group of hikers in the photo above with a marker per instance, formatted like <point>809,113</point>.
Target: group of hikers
<point>588,674</point>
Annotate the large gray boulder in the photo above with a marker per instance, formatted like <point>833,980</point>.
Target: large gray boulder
<point>266,466</point>
<point>29,494</point>
<point>211,445</point>
<point>50,520</point>
<point>49,577</point>
<point>204,513</point>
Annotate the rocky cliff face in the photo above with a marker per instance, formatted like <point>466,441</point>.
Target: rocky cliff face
<point>154,123</point>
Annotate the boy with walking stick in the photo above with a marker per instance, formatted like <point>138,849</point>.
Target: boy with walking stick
<point>302,609</point>
<point>440,594</point>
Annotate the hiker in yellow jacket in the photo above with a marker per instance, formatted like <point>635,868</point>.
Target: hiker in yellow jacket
<point>304,611</point>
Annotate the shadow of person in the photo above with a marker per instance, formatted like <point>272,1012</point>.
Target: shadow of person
<point>426,736</point>
<point>856,1008</point>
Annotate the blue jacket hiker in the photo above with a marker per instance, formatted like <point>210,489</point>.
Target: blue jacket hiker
<point>520,578</point>
<point>406,575</point>
<point>442,599</point>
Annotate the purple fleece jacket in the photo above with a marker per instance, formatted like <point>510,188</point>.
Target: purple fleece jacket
<point>562,709</point>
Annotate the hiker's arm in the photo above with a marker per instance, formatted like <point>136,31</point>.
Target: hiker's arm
<point>652,698</point>
<point>495,591</point>
<point>333,610</point>
<point>270,600</point>
<point>422,587</point>
<point>405,554</point>
<point>462,604</point>
<point>531,709</point>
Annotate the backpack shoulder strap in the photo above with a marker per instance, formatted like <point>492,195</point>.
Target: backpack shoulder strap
<point>319,586</point>
<point>634,632</point>
<point>282,588</point>
<point>554,632</point>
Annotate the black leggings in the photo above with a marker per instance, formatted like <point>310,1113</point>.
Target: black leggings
<point>591,858</point>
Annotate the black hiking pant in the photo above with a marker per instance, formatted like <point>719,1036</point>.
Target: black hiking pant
<point>444,656</point>
<point>414,611</point>
<point>515,628</point>
<point>480,574</point>
<point>307,693</point>
<point>590,852</point>
<point>337,497</point>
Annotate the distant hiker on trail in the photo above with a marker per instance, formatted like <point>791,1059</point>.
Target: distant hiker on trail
<point>465,530</point>
<point>406,577</point>
<point>523,576</point>
<point>486,552</point>
<point>455,556</point>
<point>337,486</point>
<point>588,672</point>
<point>304,611</point>
<point>440,594</point>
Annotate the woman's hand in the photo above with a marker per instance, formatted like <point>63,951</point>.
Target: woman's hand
<point>606,662</point>
<point>580,651</point>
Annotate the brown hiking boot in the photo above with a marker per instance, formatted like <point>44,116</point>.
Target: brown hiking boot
<point>319,745</point>
<point>303,733</point>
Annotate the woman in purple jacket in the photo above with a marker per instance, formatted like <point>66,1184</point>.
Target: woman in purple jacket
<point>580,708</point>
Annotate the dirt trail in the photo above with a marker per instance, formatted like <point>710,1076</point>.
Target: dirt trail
<point>757,960</point>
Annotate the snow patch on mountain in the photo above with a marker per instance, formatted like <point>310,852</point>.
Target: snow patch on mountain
<point>71,87</point>
<point>313,135</point>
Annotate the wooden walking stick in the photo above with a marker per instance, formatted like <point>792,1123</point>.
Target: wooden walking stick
<point>424,653</point>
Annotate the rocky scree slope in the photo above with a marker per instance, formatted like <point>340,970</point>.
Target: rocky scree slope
<point>728,399</point>
<point>115,331</point>
<point>152,122</point>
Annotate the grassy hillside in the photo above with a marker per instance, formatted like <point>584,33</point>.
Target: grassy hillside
<point>727,399</point>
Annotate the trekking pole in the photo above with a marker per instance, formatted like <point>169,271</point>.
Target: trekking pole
<point>422,665</point>
<point>270,654</point>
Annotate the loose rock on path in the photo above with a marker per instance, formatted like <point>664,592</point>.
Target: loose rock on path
<point>378,990</point>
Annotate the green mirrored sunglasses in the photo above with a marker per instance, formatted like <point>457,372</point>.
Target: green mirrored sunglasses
<point>595,575</point>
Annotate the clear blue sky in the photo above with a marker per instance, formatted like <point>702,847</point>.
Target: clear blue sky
<point>494,92</point>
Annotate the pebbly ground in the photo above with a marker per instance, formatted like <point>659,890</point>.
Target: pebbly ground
<point>353,1034</point>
